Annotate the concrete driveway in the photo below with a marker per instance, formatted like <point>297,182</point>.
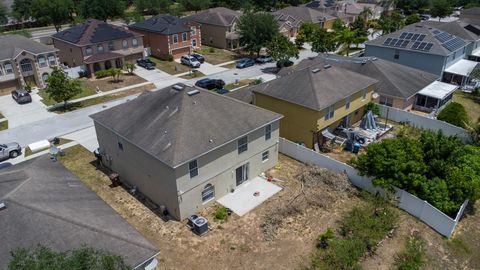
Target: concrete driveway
<point>159,78</point>
<point>207,68</point>
<point>21,114</point>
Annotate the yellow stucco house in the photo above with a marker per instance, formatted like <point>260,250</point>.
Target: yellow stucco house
<point>315,98</point>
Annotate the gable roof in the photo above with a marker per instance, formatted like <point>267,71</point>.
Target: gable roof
<point>458,28</point>
<point>320,4</point>
<point>13,45</point>
<point>163,24</point>
<point>48,205</point>
<point>394,80</point>
<point>303,14</point>
<point>93,31</point>
<point>176,127</point>
<point>315,88</point>
<point>429,36</point>
<point>217,16</point>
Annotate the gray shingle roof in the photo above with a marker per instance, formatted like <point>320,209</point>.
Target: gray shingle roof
<point>315,90</point>
<point>176,127</point>
<point>303,14</point>
<point>456,28</point>
<point>416,28</point>
<point>216,16</point>
<point>394,80</point>
<point>48,205</point>
<point>163,24</point>
<point>12,45</point>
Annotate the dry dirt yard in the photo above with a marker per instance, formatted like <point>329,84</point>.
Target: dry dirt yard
<point>262,239</point>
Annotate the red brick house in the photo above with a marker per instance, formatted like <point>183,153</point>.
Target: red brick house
<point>168,35</point>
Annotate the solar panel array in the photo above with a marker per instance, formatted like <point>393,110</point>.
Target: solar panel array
<point>395,42</point>
<point>422,46</point>
<point>412,36</point>
<point>450,42</point>
<point>404,40</point>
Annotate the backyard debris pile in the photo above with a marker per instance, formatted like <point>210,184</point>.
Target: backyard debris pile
<point>317,188</point>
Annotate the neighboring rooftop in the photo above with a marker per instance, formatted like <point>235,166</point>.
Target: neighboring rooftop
<point>93,31</point>
<point>46,204</point>
<point>420,37</point>
<point>216,16</point>
<point>315,87</point>
<point>179,123</point>
<point>301,14</point>
<point>458,28</point>
<point>471,11</point>
<point>320,4</point>
<point>394,80</point>
<point>13,45</point>
<point>163,24</point>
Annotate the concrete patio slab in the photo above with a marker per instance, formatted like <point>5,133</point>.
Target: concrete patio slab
<point>242,200</point>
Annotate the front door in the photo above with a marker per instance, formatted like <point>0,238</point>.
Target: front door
<point>242,174</point>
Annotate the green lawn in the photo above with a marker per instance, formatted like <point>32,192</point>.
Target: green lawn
<point>48,101</point>
<point>239,84</point>
<point>216,56</point>
<point>470,102</point>
<point>3,125</point>
<point>170,67</point>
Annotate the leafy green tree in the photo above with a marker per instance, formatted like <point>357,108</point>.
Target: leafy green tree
<point>115,73</point>
<point>130,67</point>
<point>22,9</point>
<point>441,9</point>
<point>323,41</point>
<point>347,37</point>
<point>366,13</point>
<point>56,12</point>
<point>455,114</point>
<point>414,18</point>
<point>44,258</point>
<point>102,9</point>
<point>338,25</point>
<point>152,7</point>
<point>306,33</point>
<point>3,14</point>
<point>195,5</point>
<point>256,30</point>
<point>281,48</point>
<point>61,88</point>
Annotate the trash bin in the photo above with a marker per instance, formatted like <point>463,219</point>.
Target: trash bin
<point>356,148</point>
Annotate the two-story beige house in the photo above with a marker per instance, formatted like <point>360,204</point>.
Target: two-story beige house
<point>24,61</point>
<point>184,147</point>
<point>97,45</point>
<point>219,27</point>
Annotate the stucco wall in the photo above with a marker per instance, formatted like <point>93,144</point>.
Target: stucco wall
<point>214,35</point>
<point>68,53</point>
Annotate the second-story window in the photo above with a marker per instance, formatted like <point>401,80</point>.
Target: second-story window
<point>184,36</point>
<point>347,103</point>
<point>175,39</point>
<point>8,68</point>
<point>194,30</point>
<point>268,132</point>
<point>242,144</point>
<point>100,48</point>
<point>51,60</point>
<point>42,62</point>
<point>88,51</point>
<point>26,65</point>
<point>330,112</point>
<point>135,42</point>
<point>125,44</point>
<point>111,46</point>
<point>193,168</point>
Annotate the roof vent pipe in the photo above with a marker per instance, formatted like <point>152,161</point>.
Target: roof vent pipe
<point>315,70</point>
<point>2,205</point>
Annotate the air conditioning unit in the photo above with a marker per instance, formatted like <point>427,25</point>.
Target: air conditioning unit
<point>200,225</point>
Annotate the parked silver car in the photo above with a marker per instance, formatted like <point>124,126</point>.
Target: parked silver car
<point>190,61</point>
<point>10,150</point>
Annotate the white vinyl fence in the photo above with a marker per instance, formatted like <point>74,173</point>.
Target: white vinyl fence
<point>419,121</point>
<point>408,202</point>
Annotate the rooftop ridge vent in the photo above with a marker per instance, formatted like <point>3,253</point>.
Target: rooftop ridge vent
<point>177,87</point>
<point>2,205</point>
<point>327,66</point>
<point>193,92</point>
<point>315,70</point>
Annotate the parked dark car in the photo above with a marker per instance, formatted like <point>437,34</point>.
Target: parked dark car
<point>21,96</point>
<point>222,91</point>
<point>284,63</point>
<point>210,83</point>
<point>262,59</point>
<point>199,57</point>
<point>244,63</point>
<point>146,63</point>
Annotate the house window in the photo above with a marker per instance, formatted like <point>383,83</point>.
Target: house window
<point>208,193</point>
<point>330,112</point>
<point>265,156</point>
<point>120,145</point>
<point>42,62</point>
<point>242,144</point>
<point>194,42</point>
<point>347,103</point>
<point>268,132</point>
<point>51,60</point>
<point>194,30</point>
<point>364,94</point>
<point>88,51</point>
<point>397,54</point>
<point>111,46</point>
<point>135,42</point>
<point>184,36</point>
<point>125,44</point>
<point>100,48</point>
<point>8,68</point>
<point>175,39</point>
<point>193,168</point>
<point>45,77</point>
<point>26,65</point>
<point>386,101</point>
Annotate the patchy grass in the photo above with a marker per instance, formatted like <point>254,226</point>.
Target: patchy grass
<point>470,102</point>
<point>230,66</point>
<point>413,257</point>
<point>216,56</point>
<point>240,83</point>
<point>29,152</point>
<point>191,75</point>
<point>4,125</point>
<point>48,101</point>
<point>171,68</point>
<point>102,99</point>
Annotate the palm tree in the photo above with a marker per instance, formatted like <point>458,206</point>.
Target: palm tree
<point>347,37</point>
<point>366,13</point>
